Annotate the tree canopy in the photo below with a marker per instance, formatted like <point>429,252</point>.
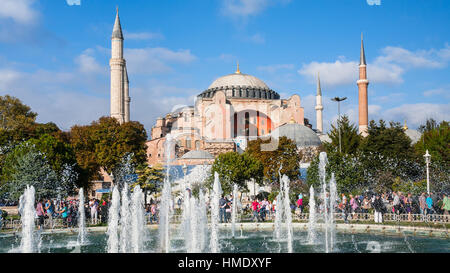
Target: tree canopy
<point>235,168</point>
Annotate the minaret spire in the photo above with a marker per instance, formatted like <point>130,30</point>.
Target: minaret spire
<point>319,106</point>
<point>362,58</point>
<point>117,30</point>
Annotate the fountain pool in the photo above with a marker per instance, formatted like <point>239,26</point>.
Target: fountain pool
<point>245,242</point>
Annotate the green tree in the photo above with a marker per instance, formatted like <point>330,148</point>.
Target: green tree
<point>26,165</point>
<point>150,178</point>
<point>105,142</point>
<point>436,139</point>
<point>235,168</point>
<point>14,114</point>
<point>350,139</point>
<point>285,156</point>
<point>388,141</point>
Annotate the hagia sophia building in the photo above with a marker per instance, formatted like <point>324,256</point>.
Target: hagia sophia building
<point>233,110</point>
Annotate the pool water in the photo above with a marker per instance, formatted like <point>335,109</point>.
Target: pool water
<point>247,242</point>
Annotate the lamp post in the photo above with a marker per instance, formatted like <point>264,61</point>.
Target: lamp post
<point>338,100</point>
<point>427,161</point>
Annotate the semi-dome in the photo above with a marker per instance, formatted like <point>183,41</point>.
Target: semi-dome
<point>302,135</point>
<point>197,154</point>
<point>413,135</point>
<point>239,85</point>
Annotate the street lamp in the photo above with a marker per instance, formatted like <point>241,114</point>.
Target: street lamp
<point>428,160</point>
<point>338,100</point>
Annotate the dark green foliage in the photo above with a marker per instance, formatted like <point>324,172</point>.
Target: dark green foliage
<point>350,139</point>
<point>285,156</point>
<point>235,168</point>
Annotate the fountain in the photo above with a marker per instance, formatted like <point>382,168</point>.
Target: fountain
<point>137,220</point>
<point>28,242</point>
<point>125,221</point>
<point>202,221</point>
<point>332,198</point>
<point>278,216</point>
<point>234,210</point>
<point>113,222</point>
<point>166,208</point>
<point>329,197</point>
<point>81,219</point>
<point>215,197</point>
<point>287,212</point>
<point>312,232</point>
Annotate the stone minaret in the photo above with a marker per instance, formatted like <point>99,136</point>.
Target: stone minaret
<point>119,82</point>
<point>319,107</point>
<point>127,97</point>
<point>362,89</point>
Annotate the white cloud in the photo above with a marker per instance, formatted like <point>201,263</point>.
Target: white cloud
<point>155,60</point>
<point>420,58</point>
<point>417,114</point>
<point>441,92</point>
<point>73,2</point>
<point>386,68</point>
<point>20,11</point>
<point>337,73</point>
<point>88,64</point>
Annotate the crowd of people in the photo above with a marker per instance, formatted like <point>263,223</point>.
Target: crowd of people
<point>260,209</point>
<point>96,211</point>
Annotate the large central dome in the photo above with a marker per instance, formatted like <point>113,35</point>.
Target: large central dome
<point>238,79</point>
<point>238,85</point>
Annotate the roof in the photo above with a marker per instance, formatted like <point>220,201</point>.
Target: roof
<point>413,135</point>
<point>238,85</point>
<point>302,135</point>
<point>197,154</point>
<point>238,79</point>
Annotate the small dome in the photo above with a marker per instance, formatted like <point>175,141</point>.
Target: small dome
<point>302,135</point>
<point>238,79</point>
<point>413,135</point>
<point>197,154</point>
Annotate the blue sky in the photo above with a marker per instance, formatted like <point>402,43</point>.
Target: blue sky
<point>54,54</point>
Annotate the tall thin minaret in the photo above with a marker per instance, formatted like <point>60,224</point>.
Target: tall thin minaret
<point>362,90</point>
<point>319,107</point>
<point>118,66</point>
<point>127,97</point>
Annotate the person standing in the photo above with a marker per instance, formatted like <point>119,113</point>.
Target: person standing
<point>40,214</point>
<point>222,209</point>
<point>255,209</point>
<point>446,205</point>
<point>422,205</point>
<point>396,206</point>
<point>429,202</point>
<point>379,208</point>
<point>408,206</point>
<point>94,211</point>
<point>300,202</point>
<point>49,211</point>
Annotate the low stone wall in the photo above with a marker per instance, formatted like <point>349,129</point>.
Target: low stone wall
<point>376,229</point>
<point>11,210</point>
